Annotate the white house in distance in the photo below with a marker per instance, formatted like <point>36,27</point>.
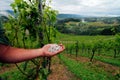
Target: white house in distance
<point>83,20</point>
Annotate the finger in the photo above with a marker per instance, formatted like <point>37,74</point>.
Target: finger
<point>63,47</point>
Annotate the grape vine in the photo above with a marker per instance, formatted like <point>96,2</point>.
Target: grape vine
<point>32,26</point>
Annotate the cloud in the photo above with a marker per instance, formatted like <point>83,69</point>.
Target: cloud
<point>83,7</point>
<point>5,4</point>
<point>87,7</point>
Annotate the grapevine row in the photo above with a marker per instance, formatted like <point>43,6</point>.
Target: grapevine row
<point>94,46</point>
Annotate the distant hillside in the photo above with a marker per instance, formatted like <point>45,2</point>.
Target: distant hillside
<point>64,16</point>
<point>10,12</point>
<point>89,25</point>
<point>6,12</point>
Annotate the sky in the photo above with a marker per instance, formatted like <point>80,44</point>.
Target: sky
<point>82,7</point>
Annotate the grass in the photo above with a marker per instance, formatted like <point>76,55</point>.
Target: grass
<point>83,38</point>
<point>106,59</point>
<point>102,57</point>
<point>12,75</point>
<point>85,71</point>
<point>16,74</point>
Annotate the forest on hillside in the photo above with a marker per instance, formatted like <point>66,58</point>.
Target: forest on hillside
<point>89,25</point>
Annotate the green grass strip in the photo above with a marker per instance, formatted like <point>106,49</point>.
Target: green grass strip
<point>108,60</point>
<point>85,71</point>
<point>112,61</point>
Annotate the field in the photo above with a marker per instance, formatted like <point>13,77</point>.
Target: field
<point>76,67</point>
<point>65,37</point>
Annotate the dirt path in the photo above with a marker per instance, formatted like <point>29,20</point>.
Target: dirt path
<point>59,71</point>
<point>107,67</point>
<point>7,68</point>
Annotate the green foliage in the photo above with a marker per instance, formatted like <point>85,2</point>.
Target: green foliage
<point>30,23</point>
<point>32,27</point>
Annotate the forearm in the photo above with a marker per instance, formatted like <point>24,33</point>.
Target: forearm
<point>14,55</point>
<point>10,54</point>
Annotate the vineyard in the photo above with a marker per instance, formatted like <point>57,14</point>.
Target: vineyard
<point>92,57</point>
<point>85,57</point>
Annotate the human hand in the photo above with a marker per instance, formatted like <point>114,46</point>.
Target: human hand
<point>52,49</point>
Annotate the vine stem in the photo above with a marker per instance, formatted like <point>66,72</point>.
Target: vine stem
<point>21,70</point>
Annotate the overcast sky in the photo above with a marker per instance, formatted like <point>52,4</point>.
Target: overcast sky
<point>82,7</point>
